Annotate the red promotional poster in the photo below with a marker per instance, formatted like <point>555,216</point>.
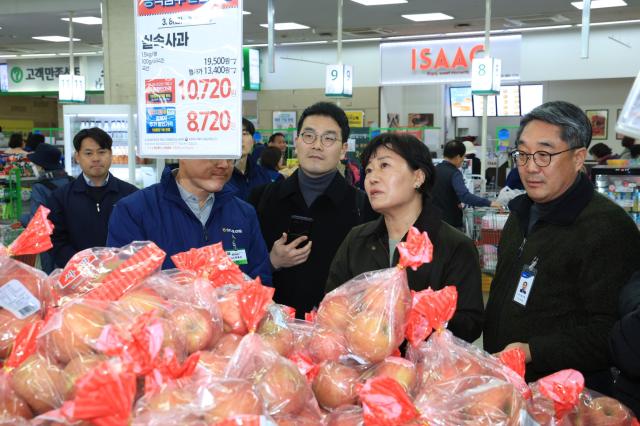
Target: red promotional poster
<point>162,7</point>
<point>160,91</point>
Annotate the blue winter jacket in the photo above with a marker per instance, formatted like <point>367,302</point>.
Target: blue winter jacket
<point>255,176</point>
<point>159,214</point>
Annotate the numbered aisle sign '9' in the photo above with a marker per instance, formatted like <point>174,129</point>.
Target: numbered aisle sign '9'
<point>339,80</point>
<point>189,78</point>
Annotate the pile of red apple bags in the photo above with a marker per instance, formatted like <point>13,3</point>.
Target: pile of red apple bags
<point>125,344</point>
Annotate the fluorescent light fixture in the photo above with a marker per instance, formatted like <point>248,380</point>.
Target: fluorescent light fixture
<point>245,12</point>
<point>465,33</point>
<point>597,24</point>
<point>424,17</point>
<point>55,39</point>
<point>518,30</point>
<point>356,40</point>
<point>255,45</point>
<point>599,4</point>
<point>38,55</point>
<point>8,56</point>
<point>303,43</point>
<point>378,2</point>
<point>86,20</point>
<point>413,37</point>
<point>283,26</point>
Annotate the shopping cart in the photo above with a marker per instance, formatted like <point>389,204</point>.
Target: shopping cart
<point>484,226</point>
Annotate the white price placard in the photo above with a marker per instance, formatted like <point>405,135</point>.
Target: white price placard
<point>71,88</point>
<point>485,76</point>
<point>339,80</point>
<point>189,78</point>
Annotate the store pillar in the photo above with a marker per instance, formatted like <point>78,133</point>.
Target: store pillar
<point>119,52</point>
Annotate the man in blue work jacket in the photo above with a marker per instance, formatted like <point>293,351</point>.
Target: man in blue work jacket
<point>193,207</point>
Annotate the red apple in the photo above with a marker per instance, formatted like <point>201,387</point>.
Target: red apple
<point>168,399</point>
<point>347,415</point>
<point>227,344</point>
<point>494,402</point>
<point>335,385</point>
<point>81,325</point>
<point>371,338</point>
<point>232,398</point>
<point>78,367</point>
<point>283,388</point>
<point>280,337</point>
<point>172,338</point>
<point>11,405</point>
<point>602,411</point>
<point>333,313</point>
<point>232,318</point>
<point>134,303</point>
<point>327,345</point>
<point>391,299</point>
<point>42,384</point>
<point>213,363</point>
<point>197,326</point>
<point>10,326</point>
<point>400,369</point>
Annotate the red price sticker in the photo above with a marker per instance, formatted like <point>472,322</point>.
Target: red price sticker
<point>211,88</point>
<point>212,121</point>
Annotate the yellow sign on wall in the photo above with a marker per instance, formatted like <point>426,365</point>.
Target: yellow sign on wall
<point>356,118</point>
<point>16,126</point>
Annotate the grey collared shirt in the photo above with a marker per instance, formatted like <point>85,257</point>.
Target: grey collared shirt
<point>202,213</point>
<point>90,183</point>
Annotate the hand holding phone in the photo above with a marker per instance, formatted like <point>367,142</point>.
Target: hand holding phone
<point>299,226</point>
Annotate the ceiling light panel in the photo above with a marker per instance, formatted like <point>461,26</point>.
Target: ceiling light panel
<point>284,26</point>
<point>424,17</point>
<point>599,4</point>
<point>85,20</point>
<point>378,2</point>
<point>55,39</point>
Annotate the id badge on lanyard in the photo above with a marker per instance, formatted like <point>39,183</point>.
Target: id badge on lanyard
<point>525,284</point>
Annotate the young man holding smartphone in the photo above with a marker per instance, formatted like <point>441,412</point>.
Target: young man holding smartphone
<point>315,204</point>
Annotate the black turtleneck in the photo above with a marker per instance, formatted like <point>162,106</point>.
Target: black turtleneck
<point>539,210</point>
<point>313,187</point>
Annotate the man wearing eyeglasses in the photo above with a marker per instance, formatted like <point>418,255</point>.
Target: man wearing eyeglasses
<point>305,217</point>
<point>574,247</point>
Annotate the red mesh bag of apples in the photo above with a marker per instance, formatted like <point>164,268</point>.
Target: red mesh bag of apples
<point>107,273</point>
<point>24,291</point>
<point>561,399</point>
<point>459,383</point>
<point>365,318</point>
<point>284,390</point>
<point>210,262</point>
<point>201,400</point>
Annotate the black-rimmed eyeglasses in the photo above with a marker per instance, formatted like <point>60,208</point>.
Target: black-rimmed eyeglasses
<point>541,158</point>
<point>327,140</point>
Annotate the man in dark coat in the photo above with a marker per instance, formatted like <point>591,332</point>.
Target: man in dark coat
<point>624,345</point>
<point>80,210</point>
<point>319,194</point>
<point>574,247</point>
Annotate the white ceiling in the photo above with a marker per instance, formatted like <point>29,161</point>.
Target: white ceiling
<point>22,19</point>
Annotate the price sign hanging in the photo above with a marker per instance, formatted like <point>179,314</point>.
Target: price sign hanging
<point>339,80</point>
<point>189,78</point>
<point>485,76</point>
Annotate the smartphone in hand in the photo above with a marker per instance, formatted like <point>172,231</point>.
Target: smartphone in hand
<point>299,226</point>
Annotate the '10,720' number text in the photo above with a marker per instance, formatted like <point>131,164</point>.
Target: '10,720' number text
<point>212,88</point>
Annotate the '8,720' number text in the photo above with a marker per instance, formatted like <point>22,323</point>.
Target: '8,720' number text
<point>202,121</point>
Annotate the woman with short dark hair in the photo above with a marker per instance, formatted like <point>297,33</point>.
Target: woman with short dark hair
<point>601,153</point>
<point>16,145</point>
<point>399,175</point>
